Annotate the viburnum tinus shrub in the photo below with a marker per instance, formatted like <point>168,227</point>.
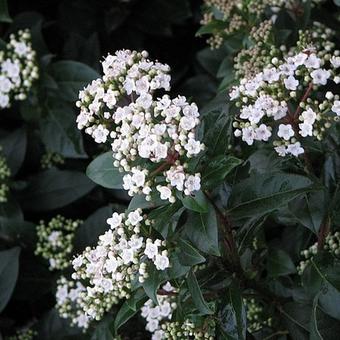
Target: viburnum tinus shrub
<point>214,221</point>
<point>248,227</point>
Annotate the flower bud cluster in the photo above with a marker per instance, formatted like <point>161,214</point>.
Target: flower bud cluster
<point>284,101</point>
<point>121,255</point>
<point>256,316</point>
<point>23,334</point>
<point>332,245</point>
<point>5,173</point>
<point>51,159</point>
<point>18,68</point>
<point>155,315</point>
<point>55,241</point>
<point>188,330</point>
<point>68,298</point>
<point>152,139</point>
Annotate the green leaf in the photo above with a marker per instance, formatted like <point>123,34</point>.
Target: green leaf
<point>129,309</point>
<point>337,2</point>
<point>102,330</point>
<point>18,231</point>
<point>189,256</point>
<point>151,283</point>
<point>196,202</point>
<point>139,201</point>
<point>309,210</point>
<point>14,149</point>
<point>165,218</point>
<point>9,268</point>
<point>211,27</point>
<point>59,132</point>
<point>279,263</point>
<point>196,294</point>
<point>102,172</point>
<point>239,312</point>
<point>95,225</point>
<point>71,77</point>
<point>4,14</point>
<point>262,194</point>
<point>217,170</point>
<point>54,189</point>
<point>202,230</point>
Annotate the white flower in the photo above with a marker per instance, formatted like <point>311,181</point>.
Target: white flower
<point>138,177</point>
<point>193,147</point>
<point>306,129</point>
<point>161,262</point>
<point>285,131</point>
<point>134,217</point>
<point>336,107</point>
<point>176,178</point>
<point>262,132</point>
<point>127,255</point>
<point>309,116</point>
<point>111,265</point>
<point>335,61</point>
<point>165,192</point>
<point>187,123</point>
<point>281,150</point>
<point>248,135</point>
<point>115,220</point>
<point>271,75</point>
<point>320,76</point>
<point>291,83</point>
<point>295,149</point>
<point>151,250</point>
<point>313,61</point>
<point>192,184</point>
<point>100,134</point>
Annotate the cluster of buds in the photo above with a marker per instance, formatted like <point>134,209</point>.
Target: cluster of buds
<point>121,255</point>
<point>284,100</point>
<point>55,241</point>
<point>152,138</point>
<point>231,16</point>
<point>331,245</point>
<point>189,330</point>
<point>5,173</point>
<point>18,67</point>
<point>256,316</point>
<point>250,61</point>
<point>23,334</point>
<point>68,297</point>
<point>51,159</point>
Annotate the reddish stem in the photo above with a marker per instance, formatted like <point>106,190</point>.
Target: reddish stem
<point>303,99</point>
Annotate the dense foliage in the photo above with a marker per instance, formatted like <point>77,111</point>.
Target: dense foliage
<point>155,186</point>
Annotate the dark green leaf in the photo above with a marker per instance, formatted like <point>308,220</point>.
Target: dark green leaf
<point>236,302</point>
<point>71,77</point>
<point>217,169</point>
<point>59,132</point>
<point>4,15</point>
<point>54,188</point>
<point>151,283</point>
<point>189,256</point>
<point>196,202</point>
<point>202,230</point>
<point>262,194</point>
<point>196,294</point>
<point>139,201</point>
<point>14,149</point>
<point>279,263</point>
<point>102,172</point>
<point>9,267</point>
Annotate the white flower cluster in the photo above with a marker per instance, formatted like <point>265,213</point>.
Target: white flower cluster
<point>149,137</point>
<point>256,316</point>
<point>68,305</point>
<point>18,68</point>
<point>284,100</point>
<point>332,245</point>
<point>155,315</point>
<point>55,241</point>
<point>23,334</point>
<point>5,173</point>
<point>121,255</point>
